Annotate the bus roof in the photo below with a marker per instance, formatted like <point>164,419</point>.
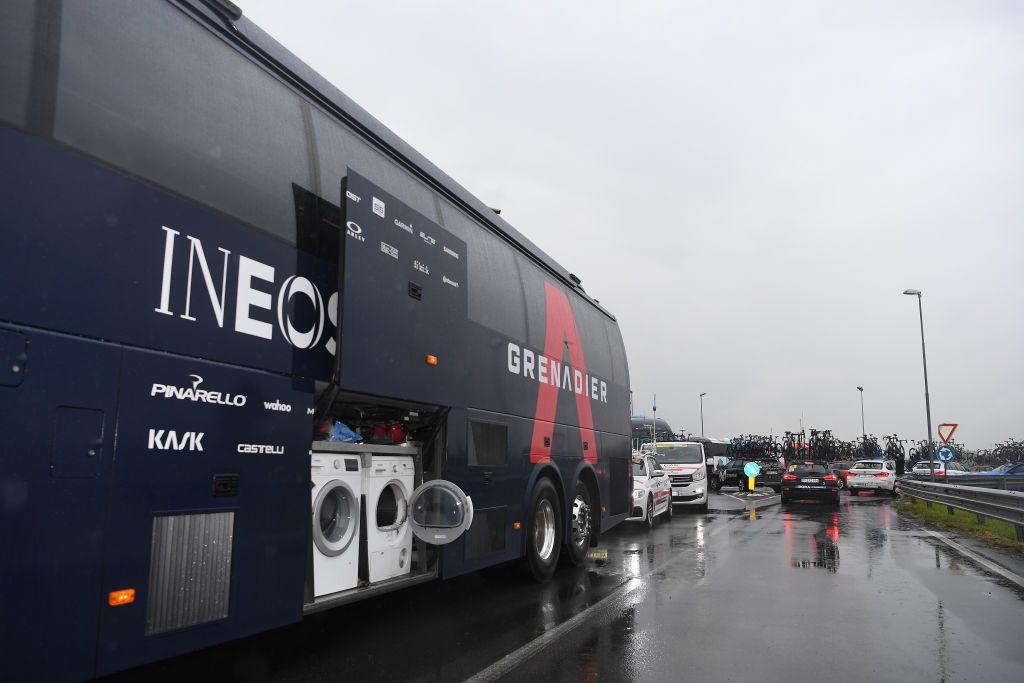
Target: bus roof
<point>319,88</point>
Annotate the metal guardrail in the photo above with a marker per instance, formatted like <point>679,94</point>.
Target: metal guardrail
<point>1013,482</point>
<point>1007,506</point>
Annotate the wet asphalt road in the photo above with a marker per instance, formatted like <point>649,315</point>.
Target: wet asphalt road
<point>803,593</point>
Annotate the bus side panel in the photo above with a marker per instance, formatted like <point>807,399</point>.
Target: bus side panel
<point>57,419</point>
<point>616,481</point>
<point>113,258</point>
<point>210,511</point>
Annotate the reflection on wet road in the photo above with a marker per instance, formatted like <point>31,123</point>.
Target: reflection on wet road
<point>804,593</point>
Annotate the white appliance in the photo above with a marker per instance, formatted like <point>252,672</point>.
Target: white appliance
<point>337,480</point>
<point>388,483</point>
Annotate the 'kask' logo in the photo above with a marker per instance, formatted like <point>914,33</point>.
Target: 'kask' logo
<point>171,440</point>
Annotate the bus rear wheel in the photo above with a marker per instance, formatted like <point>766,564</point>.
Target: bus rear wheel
<point>543,531</point>
<point>582,526</point>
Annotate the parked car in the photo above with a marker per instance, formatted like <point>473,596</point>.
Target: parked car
<point>942,469</point>
<point>1011,468</point>
<point>771,473</point>
<point>978,469</point>
<point>684,462</point>
<point>841,468</point>
<point>652,491</point>
<point>872,475</point>
<point>810,480</point>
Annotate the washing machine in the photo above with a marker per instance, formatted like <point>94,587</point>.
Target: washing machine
<point>337,484</point>
<point>388,483</point>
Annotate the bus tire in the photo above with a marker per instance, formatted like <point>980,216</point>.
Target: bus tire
<point>543,531</point>
<point>581,512</point>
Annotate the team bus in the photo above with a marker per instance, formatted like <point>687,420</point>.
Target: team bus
<point>647,429</point>
<point>258,356</point>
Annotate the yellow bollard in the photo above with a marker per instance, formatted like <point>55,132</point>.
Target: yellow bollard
<point>750,483</point>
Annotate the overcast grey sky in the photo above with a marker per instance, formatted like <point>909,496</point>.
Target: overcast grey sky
<point>747,186</point>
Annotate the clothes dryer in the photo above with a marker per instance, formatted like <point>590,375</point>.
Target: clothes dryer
<point>337,484</point>
<point>388,483</point>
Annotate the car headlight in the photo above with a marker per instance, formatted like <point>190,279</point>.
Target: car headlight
<point>638,494</point>
<point>700,474</point>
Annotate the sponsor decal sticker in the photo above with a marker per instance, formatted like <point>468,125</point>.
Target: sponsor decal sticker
<point>378,207</point>
<point>170,440</point>
<point>252,302</point>
<point>391,251</point>
<point>195,394</point>
<point>277,406</point>
<point>353,230</point>
<point>260,448</point>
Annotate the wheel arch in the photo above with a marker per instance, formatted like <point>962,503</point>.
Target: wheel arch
<point>546,470</point>
<point>585,474</point>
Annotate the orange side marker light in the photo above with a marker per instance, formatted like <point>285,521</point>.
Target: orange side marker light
<point>122,597</point>
<point>431,360</point>
<point>517,525</point>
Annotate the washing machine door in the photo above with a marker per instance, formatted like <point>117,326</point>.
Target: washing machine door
<point>335,518</point>
<point>440,512</point>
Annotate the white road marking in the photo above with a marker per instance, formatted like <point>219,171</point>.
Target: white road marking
<point>610,603</point>
<point>984,562</point>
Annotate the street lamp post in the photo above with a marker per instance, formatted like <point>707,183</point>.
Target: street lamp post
<point>702,412</point>
<point>927,400</point>
<point>863,430</point>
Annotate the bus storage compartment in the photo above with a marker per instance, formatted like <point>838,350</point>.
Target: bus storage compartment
<point>209,502</point>
<point>374,520</point>
<point>58,427</point>
<point>404,282</point>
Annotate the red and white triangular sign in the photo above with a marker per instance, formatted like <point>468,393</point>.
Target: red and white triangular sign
<point>946,430</point>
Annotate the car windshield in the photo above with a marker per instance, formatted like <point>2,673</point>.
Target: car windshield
<point>867,465</point>
<point>1004,468</point>
<point>809,469</point>
<point>638,469</point>
<point>682,453</point>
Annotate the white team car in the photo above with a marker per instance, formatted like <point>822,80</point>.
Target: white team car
<point>872,475</point>
<point>652,491</point>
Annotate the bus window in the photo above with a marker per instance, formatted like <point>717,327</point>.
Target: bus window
<point>495,292</point>
<point>339,148</point>
<point>147,101</point>
<point>15,61</point>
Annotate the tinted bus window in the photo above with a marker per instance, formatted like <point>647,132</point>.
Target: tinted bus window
<point>15,59</point>
<point>338,148</point>
<point>620,366</point>
<point>495,292</point>
<point>169,101</point>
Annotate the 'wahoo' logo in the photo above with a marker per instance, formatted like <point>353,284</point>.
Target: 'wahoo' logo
<point>277,406</point>
<point>170,440</point>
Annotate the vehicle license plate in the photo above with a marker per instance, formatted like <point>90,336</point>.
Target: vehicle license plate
<point>811,481</point>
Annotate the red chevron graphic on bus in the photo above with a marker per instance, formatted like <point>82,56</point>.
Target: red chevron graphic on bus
<point>561,332</point>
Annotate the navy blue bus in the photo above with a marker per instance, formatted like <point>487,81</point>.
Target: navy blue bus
<point>259,357</point>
